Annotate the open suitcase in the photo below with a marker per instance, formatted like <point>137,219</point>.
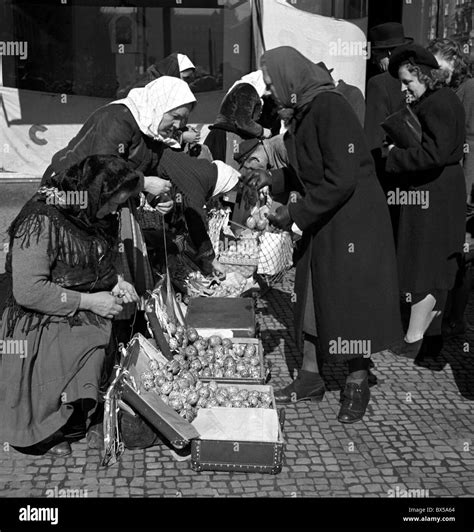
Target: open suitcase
<point>206,453</point>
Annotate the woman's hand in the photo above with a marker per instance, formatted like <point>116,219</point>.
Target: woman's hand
<point>281,218</point>
<point>258,179</point>
<point>191,136</point>
<point>165,208</point>
<point>155,186</point>
<point>126,291</point>
<point>101,303</point>
<point>218,269</point>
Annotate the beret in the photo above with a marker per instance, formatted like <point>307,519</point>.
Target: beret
<point>414,53</point>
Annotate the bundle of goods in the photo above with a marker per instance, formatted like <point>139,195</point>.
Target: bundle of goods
<point>193,283</point>
<point>258,218</point>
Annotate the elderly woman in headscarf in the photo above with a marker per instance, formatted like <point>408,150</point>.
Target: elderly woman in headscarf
<point>139,129</point>
<point>174,65</point>
<point>346,283</point>
<point>237,119</point>
<point>65,290</point>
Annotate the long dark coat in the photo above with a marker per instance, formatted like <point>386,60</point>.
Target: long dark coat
<point>347,241</point>
<point>384,97</point>
<point>430,240</point>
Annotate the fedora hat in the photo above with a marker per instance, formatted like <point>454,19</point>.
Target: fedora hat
<point>388,35</point>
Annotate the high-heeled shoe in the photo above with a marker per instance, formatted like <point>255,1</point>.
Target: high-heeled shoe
<point>306,387</point>
<point>355,399</point>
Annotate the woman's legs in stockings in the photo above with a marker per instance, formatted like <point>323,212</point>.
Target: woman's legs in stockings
<point>425,309</point>
<point>310,356</point>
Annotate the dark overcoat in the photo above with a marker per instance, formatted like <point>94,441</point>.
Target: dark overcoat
<point>430,239</point>
<point>348,249</point>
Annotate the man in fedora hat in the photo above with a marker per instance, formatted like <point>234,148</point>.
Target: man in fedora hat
<point>384,96</point>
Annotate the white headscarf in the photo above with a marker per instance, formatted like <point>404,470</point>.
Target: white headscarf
<point>255,79</point>
<point>227,178</point>
<point>184,62</point>
<point>148,104</point>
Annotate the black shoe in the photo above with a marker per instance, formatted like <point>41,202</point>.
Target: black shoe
<point>298,391</point>
<point>407,350</point>
<point>428,356</point>
<point>355,399</point>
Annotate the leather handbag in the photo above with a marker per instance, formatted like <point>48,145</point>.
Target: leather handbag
<point>403,128</point>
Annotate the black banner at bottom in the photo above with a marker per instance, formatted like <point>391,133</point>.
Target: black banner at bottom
<point>232,513</point>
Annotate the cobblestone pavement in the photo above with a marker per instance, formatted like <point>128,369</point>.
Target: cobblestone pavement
<point>417,434</point>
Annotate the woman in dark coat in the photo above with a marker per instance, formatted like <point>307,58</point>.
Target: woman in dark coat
<point>66,289</point>
<point>346,283</point>
<point>431,234</point>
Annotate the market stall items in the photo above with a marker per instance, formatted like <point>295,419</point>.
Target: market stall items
<point>227,436</point>
<point>192,283</point>
<point>223,359</point>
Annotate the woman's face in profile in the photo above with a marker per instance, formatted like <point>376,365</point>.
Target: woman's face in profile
<point>174,120</point>
<point>414,86</point>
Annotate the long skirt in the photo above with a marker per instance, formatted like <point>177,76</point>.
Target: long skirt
<point>53,367</point>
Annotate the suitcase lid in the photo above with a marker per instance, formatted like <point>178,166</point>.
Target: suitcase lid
<point>148,404</point>
<point>221,313</point>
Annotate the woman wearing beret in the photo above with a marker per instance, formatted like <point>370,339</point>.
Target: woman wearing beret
<point>346,288</point>
<point>431,232</point>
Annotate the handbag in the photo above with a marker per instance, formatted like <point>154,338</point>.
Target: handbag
<point>403,128</point>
